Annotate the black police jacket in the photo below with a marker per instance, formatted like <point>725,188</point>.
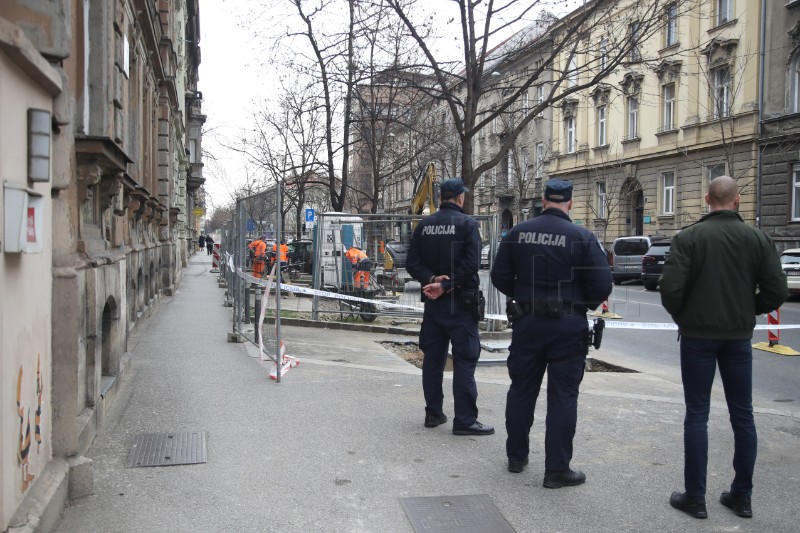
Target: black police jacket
<point>550,258</point>
<point>446,242</point>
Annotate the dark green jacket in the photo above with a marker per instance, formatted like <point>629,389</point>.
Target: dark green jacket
<point>720,274</point>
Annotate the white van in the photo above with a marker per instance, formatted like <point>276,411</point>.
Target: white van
<point>627,254</point>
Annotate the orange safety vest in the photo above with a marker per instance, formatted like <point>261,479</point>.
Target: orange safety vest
<point>284,253</point>
<point>259,248</point>
<point>355,255</point>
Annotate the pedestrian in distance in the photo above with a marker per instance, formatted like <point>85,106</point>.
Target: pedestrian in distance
<point>209,244</point>
<point>553,272</point>
<point>444,256</point>
<point>201,241</point>
<point>720,274</point>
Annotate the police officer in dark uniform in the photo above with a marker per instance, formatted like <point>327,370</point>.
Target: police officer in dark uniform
<point>552,271</point>
<point>444,257</point>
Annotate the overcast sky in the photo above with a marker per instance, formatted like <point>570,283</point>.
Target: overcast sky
<point>232,77</point>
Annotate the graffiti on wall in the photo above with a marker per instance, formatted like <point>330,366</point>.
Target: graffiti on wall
<point>24,448</point>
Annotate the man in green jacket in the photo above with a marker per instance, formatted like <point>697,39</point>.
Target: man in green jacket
<point>719,275</point>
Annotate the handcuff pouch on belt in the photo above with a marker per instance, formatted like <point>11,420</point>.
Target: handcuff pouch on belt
<point>474,302</point>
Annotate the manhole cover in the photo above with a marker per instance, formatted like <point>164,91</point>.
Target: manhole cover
<point>164,449</point>
<point>462,514</point>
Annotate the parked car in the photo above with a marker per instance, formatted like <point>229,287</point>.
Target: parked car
<point>302,251</point>
<point>790,260</point>
<point>653,263</point>
<point>626,257</point>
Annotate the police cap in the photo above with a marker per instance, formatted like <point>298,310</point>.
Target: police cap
<point>452,187</point>
<point>558,191</point>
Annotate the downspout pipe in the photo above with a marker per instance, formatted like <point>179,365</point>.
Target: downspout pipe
<point>760,110</point>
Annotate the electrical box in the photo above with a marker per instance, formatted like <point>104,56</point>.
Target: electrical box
<point>24,220</point>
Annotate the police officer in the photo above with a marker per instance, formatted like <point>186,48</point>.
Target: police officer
<point>553,272</point>
<point>444,257</point>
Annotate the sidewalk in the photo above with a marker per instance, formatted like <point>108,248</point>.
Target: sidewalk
<point>340,441</point>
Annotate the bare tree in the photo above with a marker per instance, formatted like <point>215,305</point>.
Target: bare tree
<point>463,86</point>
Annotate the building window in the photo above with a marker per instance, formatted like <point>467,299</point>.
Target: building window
<point>525,103</point>
<point>512,169</point>
<point>524,165</point>
<point>494,123</point>
<point>539,98</point>
<point>493,176</point>
<point>572,72</point>
<point>633,117</point>
<point>794,85</point>
<point>722,91</point>
<point>715,171</point>
<point>601,126</point>
<point>668,193</point>
<point>796,192</point>
<point>539,160</point>
<point>633,32</point>
<point>569,125</point>
<point>668,96</point>
<point>671,27</point>
<point>603,53</point>
<point>724,11</point>
<point>601,199</point>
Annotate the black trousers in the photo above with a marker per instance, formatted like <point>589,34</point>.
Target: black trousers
<point>444,323</point>
<point>556,346</point>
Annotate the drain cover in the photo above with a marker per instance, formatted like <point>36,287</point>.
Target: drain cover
<point>462,514</point>
<point>164,449</point>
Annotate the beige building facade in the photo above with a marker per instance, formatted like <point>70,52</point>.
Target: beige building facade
<point>642,144</point>
<point>102,94</point>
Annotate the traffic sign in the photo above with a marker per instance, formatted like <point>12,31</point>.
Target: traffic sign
<point>309,215</point>
<point>251,225</point>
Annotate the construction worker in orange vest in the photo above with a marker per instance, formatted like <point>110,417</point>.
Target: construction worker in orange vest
<point>259,249</point>
<point>284,259</point>
<point>284,253</point>
<point>361,267</point>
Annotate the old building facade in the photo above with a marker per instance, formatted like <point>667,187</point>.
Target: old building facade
<point>117,84</point>
<point>780,133</point>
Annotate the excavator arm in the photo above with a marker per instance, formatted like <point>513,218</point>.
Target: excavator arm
<point>427,192</point>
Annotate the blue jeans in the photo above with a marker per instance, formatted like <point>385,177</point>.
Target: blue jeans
<point>699,359</point>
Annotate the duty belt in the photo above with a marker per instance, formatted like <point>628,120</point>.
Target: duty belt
<point>543,308</point>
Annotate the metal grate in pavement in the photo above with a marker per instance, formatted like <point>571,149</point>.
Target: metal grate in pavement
<point>455,514</point>
<point>164,449</point>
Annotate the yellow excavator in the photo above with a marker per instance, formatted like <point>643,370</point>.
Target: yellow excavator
<point>394,275</point>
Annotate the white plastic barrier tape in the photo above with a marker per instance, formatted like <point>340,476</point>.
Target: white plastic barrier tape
<point>324,294</point>
<point>666,326</point>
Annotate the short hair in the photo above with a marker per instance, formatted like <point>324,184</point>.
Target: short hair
<point>722,190</point>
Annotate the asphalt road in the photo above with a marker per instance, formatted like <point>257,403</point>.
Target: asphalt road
<point>776,378</point>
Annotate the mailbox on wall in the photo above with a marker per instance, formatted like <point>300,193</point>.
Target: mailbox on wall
<point>24,219</point>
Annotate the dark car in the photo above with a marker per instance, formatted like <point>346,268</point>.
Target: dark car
<point>302,252</point>
<point>653,263</point>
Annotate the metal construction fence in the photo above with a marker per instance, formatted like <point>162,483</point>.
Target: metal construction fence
<point>379,286</point>
<point>348,267</point>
